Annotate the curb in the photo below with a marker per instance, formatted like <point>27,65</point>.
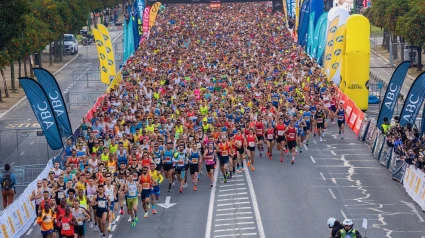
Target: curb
<point>25,97</point>
<point>386,60</point>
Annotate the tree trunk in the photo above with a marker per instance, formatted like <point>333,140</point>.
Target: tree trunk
<point>386,40</point>
<point>50,54</point>
<point>25,66</point>
<point>6,93</point>
<point>19,71</point>
<point>12,77</point>
<point>39,59</point>
<point>395,47</point>
<point>61,49</point>
<point>56,50</point>
<point>419,58</point>
<point>31,66</point>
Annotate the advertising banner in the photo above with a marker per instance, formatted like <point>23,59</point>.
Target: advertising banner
<point>109,49</point>
<point>413,101</point>
<point>103,60</point>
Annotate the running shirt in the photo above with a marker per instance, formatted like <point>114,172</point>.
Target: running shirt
<point>280,129</point>
<point>291,134</point>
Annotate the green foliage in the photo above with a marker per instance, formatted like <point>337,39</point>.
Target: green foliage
<point>27,28</point>
<point>412,25</point>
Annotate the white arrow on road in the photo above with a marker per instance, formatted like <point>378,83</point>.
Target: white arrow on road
<point>167,203</point>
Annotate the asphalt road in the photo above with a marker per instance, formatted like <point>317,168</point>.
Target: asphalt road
<point>334,178</point>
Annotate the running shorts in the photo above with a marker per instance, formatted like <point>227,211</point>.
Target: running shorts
<point>194,168</point>
<point>132,201</point>
<point>155,191</point>
<point>111,207</point>
<point>333,108</point>
<point>320,125</point>
<point>241,150</point>
<point>223,160</point>
<point>279,139</point>
<point>145,194</point>
<point>340,123</point>
<point>179,170</point>
<point>209,167</point>
<point>168,167</point>
<point>158,167</point>
<point>79,230</point>
<point>45,233</point>
<point>99,212</point>
<point>234,157</point>
<point>291,144</point>
<point>260,137</point>
<point>251,148</point>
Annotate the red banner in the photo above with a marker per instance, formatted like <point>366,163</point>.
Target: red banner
<point>348,107</point>
<point>352,119</point>
<point>359,121</point>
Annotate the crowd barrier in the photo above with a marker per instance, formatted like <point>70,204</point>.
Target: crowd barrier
<point>18,217</point>
<point>414,183</point>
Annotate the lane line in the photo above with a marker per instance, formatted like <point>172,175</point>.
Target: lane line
<point>233,218</point>
<point>232,189</point>
<point>232,185</point>
<point>334,180</point>
<point>230,199</point>
<point>231,204</point>
<point>117,218</point>
<point>235,235</point>
<point>312,159</point>
<point>235,213</point>
<point>323,177</point>
<point>29,232</point>
<point>211,206</point>
<point>113,227</point>
<point>332,193</point>
<point>306,148</point>
<point>343,214</point>
<point>239,223</point>
<point>236,229</point>
<point>232,194</point>
<point>333,152</point>
<point>233,208</point>
<point>23,152</point>
<point>255,204</point>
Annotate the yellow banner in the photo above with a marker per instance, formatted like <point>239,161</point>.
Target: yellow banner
<point>153,13</point>
<point>103,60</point>
<point>329,44</point>
<point>109,49</point>
<point>285,12</point>
<point>338,50</point>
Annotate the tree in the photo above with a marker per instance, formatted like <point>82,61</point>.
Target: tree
<point>412,26</point>
<point>11,20</point>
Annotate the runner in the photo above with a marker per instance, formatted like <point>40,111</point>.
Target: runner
<point>251,140</point>
<point>156,182</point>
<point>341,119</point>
<point>291,138</point>
<point>145,181</point>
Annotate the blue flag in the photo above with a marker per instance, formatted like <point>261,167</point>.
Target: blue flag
<point>53,91</point>
<point>314,47</point>
<point>393,90</point>
<point>322,43</point>
<point>413,101</point>
<point>43,111</point>
<point>303,23</point>
<point>310,33</point>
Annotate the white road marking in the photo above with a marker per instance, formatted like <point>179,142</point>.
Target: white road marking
<point>414,210</point>
<point>32,142</point>
<point>306,148</point>
<point>323,177</point>
<point>227,190</point>
<point>343,214</point>
<point>333,180</point>
<point>113,227</point>
<point>239,223</point>
<point>12,163</point>
<point>233,213</point>
<point>315,142</point>
<point>255,204</point>
<point>236,229</point>
<point>231,204</point>
<point>234,235</point>
<point>29,232</point>
<point>117,218</point>
<point>23,152</point>
<point>312,159</point>
<point>230,199</point>
<point>233,218</point>
<point>231,185</point>
<point>233,208</point>
<point>211,206</point>
<point>232,194</point>
<point>233,180</point>
<point>332,193</point>
<point>110,236</point>
<point>333,152</point>
<point>35,223</point>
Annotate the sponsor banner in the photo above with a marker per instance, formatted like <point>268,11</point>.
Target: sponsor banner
<point>54,93</point>
<point>348,107</point>
<point>413,101</point>
<point>303,24</point>
<point>103,58</point>
<point>330,31</point>
<point>43,111</point>
<point>153,13</point>
<point>322,21</point>
<point>353,117</point>
<point>358,124</point>
<point>337,52</point>
<point>392,92</point>
<point>146,14</point>
<point>310,33</point>
<point>109,49</point>
<point>414,183</point>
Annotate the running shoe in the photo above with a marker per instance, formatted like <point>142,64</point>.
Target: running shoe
<point>261,155</point>
<point>301,150</point>
<point>333,123</point>
<point>270,157</point>
<point>96,228</point>
<point>314,134</point>
<point>133,224</point>
<point>90,224</point>
<point>129,219</point>
<point>321,139</point>
<point>249,163</point>
<point>230,176</point>
<point>286,151</point>
<point>293,161</point>
<point>181,190</point>
<point>169,190</point>
<point>281,159</point>
<point>225,180</point>
<point>154,211</point>
<point>173,184</point>
<point>252,168</point>
<point>342,137</point>
<point>146,215</point>
<point>121,211</point>
<point>199,176</point>
<point>306,143</point>
<point>109,227</point>
<point>149,206</point>
<point>211,184</point>
<point>136,219</point>
<point>185,185</point>
<point>194,188</point>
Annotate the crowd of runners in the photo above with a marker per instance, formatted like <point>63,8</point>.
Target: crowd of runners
<point>211,89</point>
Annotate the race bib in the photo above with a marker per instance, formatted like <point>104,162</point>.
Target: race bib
<point>180,163</point>
<point>340,118</point>
<point>251,144</point>
<point>239,143</point>
<point>101,204</point>
<point>259,131</point>
<point>199,145</point>
<point>224,153</point>
<point>291,135</point>
<point>270,136</point>
<point>146,185</point>
<point>157,160</point>
<point>132,193</point>
<point>319,120</point>
<point>61,195</point>
<point>167,159</point>
<point>48,218</point>
<point>280,133</point>
<point>66,226</point>
<point>194,161</point>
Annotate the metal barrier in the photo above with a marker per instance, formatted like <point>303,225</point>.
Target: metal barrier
<point>85,76</point>
<point>386,154</point>
<point>371,135</point>
<point>24,146</point>
<point>80,98</point>
<point>26,174</point>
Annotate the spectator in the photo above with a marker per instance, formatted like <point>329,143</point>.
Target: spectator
<point>8,182</point>
<point>386,125</point>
